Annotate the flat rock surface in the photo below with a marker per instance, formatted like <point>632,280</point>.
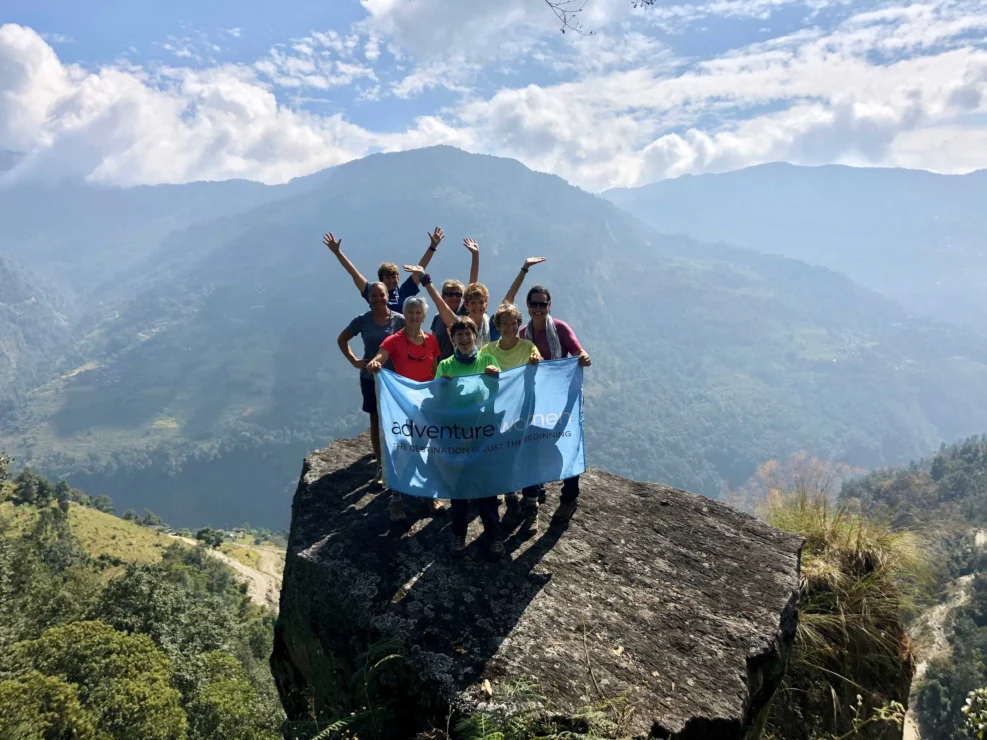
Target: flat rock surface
<point>683,606</point>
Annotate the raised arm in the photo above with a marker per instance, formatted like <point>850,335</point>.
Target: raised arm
<point>334,245</point>
<point>474,249</point>
<point>343,340</point>
<point>516,285</point>
<point>448,317</point>
<point>433,243</point>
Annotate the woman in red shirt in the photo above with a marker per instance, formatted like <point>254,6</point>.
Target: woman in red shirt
<point>414,354</point>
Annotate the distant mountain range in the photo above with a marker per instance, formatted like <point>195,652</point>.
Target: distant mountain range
<point>201,362</point>
<point>917,237</point>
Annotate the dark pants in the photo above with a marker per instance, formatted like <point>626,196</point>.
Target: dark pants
<point>488,515</point>
<point>570,490</point>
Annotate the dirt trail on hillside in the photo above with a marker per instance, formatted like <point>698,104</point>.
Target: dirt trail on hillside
<point>929,634</point>
<point>263,583</point>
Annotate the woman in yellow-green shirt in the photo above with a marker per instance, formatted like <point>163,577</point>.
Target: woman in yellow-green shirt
<point>510,350</point>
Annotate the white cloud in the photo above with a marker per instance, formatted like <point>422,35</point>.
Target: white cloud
<point>116,127</point>
<point>891,85</point>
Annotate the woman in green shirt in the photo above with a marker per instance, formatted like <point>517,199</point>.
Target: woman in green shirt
<point>467,359</point>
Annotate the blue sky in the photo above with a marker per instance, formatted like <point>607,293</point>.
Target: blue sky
<point>126,93</point>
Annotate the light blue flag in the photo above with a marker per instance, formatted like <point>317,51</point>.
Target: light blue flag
<point>479,436</point>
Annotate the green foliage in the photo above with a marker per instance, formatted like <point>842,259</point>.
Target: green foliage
<point>130,516</point>
<point>171,644</point>
<point>948,489</point>
<point>224,705</point>
<point>976,713</point>
<point>859,577</point>
<point>516,710</point>
<point>34,706</point>
<point>151,519</point>
<point>210,537</point>
<point>950,678</point>
<point>123,680</point>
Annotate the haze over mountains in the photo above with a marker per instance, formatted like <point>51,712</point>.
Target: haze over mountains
<point>199,364</point>
<point>917,237</point>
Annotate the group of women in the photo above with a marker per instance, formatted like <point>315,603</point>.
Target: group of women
<point>464,340</point>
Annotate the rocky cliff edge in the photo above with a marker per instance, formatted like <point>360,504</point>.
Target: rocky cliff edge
<point>680,607</point>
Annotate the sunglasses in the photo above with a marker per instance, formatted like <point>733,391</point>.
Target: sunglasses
<point>417,359</point>
<point>452,295</point>
<point>539,304</point>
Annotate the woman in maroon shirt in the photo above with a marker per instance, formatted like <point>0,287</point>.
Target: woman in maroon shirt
<point>554,339</point>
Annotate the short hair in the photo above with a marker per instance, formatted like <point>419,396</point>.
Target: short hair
<point>453,284</point>
<point>476,290</point>
<point>463,322</point>
<point>383,287</point>
<point>506,310</point>
<point>413,301</point>
<point>387,268</point>
<point>538,289</point>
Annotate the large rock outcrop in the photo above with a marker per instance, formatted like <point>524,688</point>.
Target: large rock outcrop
<point>682,607</point>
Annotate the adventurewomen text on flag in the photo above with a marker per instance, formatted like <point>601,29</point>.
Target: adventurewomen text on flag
<point>478,435</point>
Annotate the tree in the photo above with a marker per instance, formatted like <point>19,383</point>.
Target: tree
<point>122,680</point>
<point>976,714</point>
<point>131,516</point>
<point>103,503</point>
<point>224,705</point>
<point>4,466</point>
<point>209,536</point>
<point>34,706</point>
<point>151,519</point>
<point>183,623</point>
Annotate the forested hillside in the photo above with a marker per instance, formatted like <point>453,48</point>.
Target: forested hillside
<point>946,497</point>
<point>917,237</point>
<point>34,331</point>
<point>212,369</point>
<point>149,642</point>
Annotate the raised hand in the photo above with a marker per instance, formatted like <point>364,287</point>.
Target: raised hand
<point>532,261</point>
<point>435,238</point>
<point>471,245</point>
<point>414,269</point>
<point>332,242</point>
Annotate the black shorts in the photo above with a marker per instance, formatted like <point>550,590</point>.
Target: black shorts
<point>369,390</point>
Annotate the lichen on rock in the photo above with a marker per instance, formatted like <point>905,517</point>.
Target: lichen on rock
<point>680,607</point>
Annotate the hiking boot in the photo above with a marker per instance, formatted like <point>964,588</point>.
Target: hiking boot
<point>542,495</point>
<point>459,545</point>
<point>565,511</point>
<point>513,511</point>
<point>530,510</point>
<point>497,549</point>
<point>396,509</point>
<point>433,506</point>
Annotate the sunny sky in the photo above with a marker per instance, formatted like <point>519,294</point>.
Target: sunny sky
<point>124,92</point>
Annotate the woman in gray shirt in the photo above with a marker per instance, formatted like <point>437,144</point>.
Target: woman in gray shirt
<point>373,327</point>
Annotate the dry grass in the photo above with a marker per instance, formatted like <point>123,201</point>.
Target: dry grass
<point>98,534</point>
<point>248,557</point>
<point>860,577</point>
